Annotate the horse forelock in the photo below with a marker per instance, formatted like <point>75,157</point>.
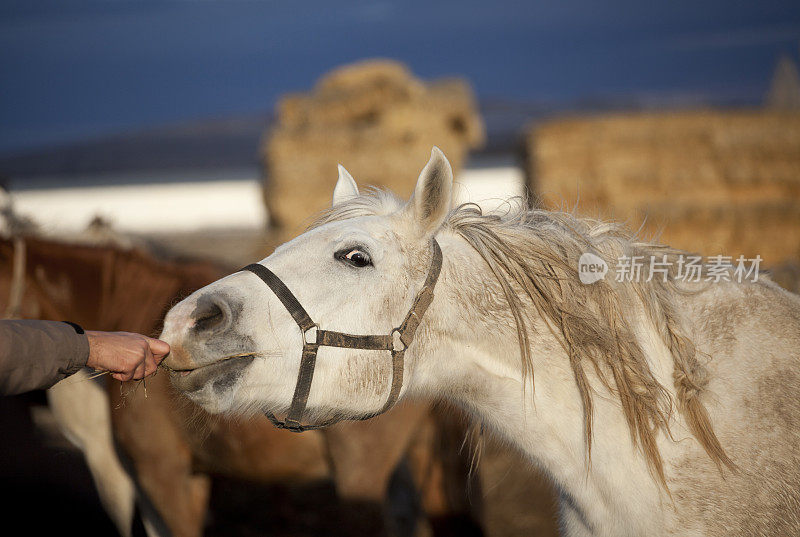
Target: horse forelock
<point>374,202</point>
<point>533,254</point>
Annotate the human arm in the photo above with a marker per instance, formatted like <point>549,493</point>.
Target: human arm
<point>37,354</point>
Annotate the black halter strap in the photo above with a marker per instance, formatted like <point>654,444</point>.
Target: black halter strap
<point>397,341</point>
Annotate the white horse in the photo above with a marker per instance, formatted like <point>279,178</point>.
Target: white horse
<point>658,407</point>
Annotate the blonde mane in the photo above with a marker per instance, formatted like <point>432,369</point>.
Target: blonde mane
<point>533,254</point>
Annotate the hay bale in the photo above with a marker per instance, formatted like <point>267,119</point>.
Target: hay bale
<point>373,117</point>
<point>706,181</point>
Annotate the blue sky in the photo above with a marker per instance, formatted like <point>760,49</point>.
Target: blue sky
<point>76,69</point>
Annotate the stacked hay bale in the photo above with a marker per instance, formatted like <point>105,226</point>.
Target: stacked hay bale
<point>712,182</point>
<point>373,117</point>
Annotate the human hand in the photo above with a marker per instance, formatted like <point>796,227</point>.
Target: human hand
<point>125,355</point>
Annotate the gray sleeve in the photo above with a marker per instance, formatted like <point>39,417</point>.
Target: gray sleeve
<point>37,354</point>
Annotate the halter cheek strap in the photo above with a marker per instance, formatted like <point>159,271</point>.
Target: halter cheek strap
<point>397,341</point>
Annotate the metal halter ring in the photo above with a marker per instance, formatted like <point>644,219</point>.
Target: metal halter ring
<point>313,331</point>
<point>397,336</point>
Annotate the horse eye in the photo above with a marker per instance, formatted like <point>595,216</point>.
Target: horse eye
<point>354,256</point>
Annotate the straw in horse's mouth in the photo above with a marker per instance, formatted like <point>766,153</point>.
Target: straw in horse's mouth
<point>184,372</point>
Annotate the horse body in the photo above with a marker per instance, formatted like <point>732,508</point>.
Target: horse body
<point>752,334</point>
<point>750,396</point>
<point>656,408</point>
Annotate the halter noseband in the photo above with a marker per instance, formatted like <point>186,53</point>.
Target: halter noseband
<point>397,341</point>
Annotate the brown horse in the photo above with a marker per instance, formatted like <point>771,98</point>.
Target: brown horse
<point>173,446</point>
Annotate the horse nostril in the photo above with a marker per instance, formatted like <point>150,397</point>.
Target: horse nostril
<point>208,317</point>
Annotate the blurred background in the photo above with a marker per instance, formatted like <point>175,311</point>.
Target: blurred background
<point>208,131</point>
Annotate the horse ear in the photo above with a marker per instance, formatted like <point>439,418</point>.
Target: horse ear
<point>433,194</point>
<point>346,187</point>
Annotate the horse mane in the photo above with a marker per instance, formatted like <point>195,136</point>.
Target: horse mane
<point>534,254</point>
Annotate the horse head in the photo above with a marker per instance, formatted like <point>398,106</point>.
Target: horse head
<point>360,283</point>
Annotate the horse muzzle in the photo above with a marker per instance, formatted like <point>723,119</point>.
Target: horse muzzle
<point>220,375</point>
<point>205,345</point>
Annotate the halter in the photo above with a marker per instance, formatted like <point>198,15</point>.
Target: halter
<point>397,341</point>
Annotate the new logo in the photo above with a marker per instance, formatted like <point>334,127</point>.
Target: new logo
<point>591,268</point>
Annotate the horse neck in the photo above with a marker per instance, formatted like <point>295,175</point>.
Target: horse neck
<point>472,357</point>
